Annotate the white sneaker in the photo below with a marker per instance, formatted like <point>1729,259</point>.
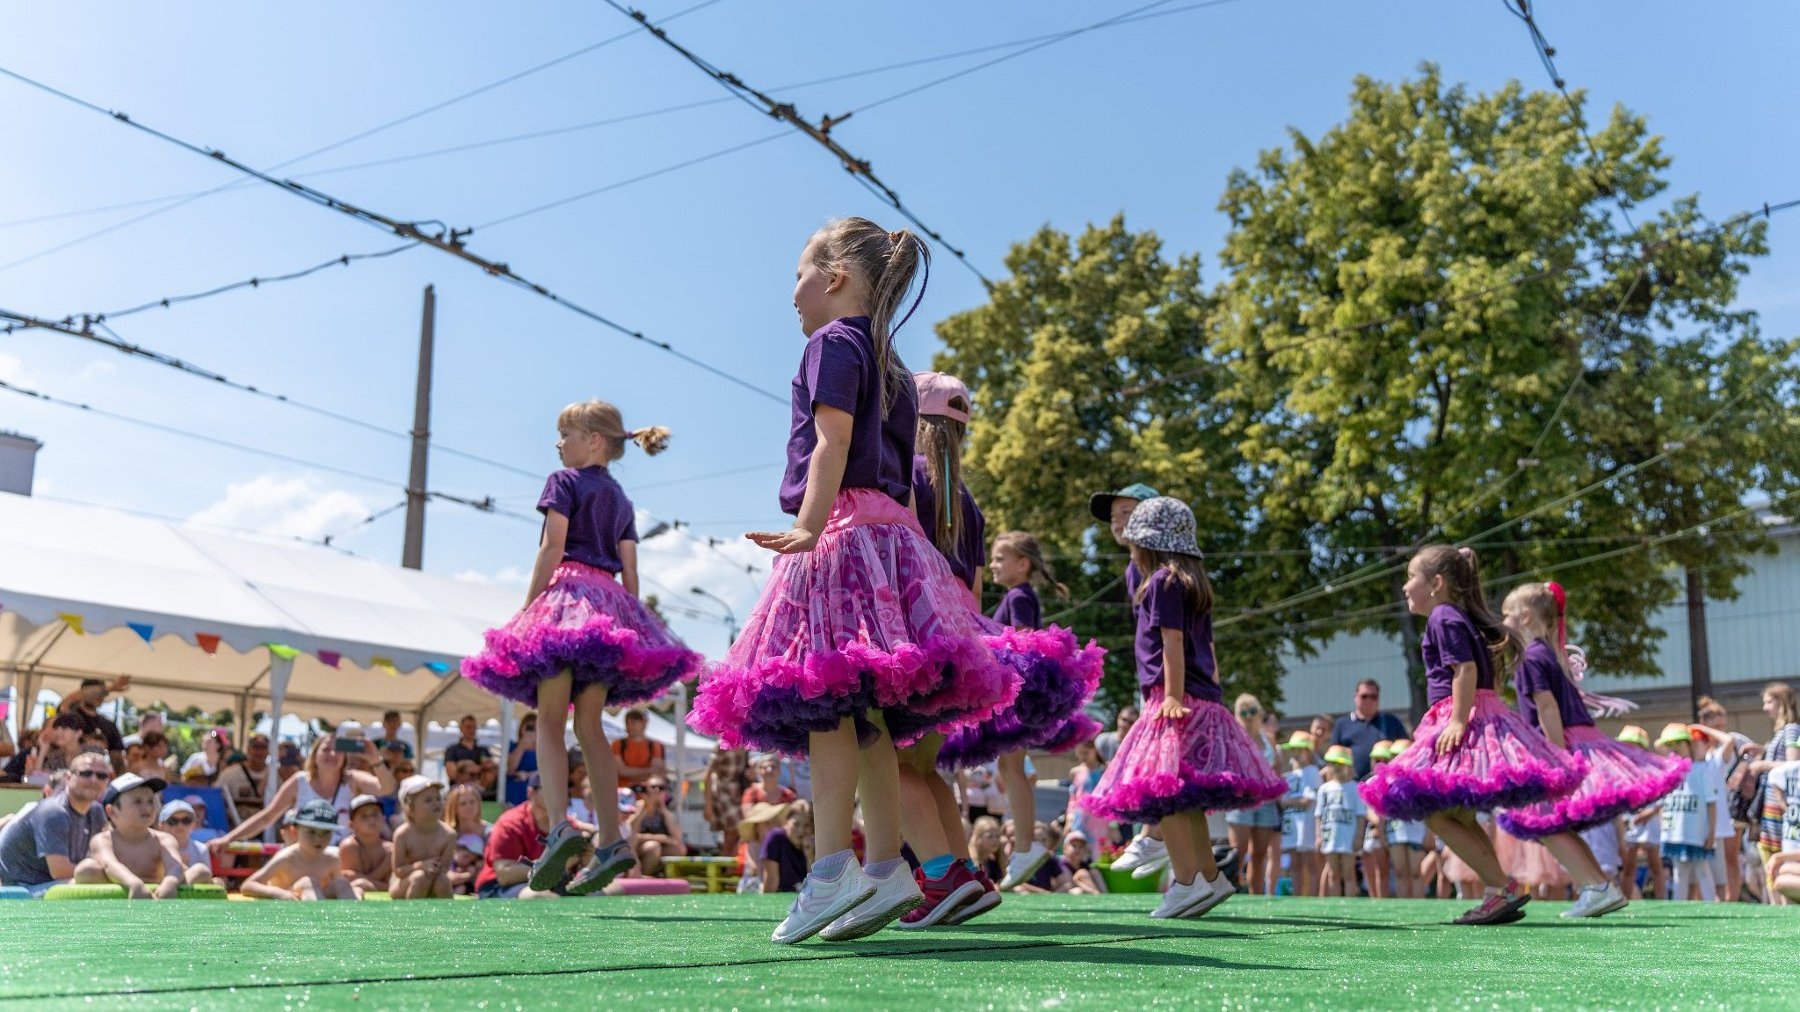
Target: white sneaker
<point>1597,901</point>
<point>1181,898</point>
<point>820,902</point>
<point>1218,891</point>
<point>1143,857</point>
<point>888,899</point>
<point>551,869</point>
<point>1022,866</point>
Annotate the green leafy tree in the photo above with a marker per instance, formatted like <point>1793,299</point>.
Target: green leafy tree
<point>1389,381</point>
<point>1090,370</point>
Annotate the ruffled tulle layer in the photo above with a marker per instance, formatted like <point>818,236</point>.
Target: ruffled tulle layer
<point>870,620</point>
<point>1057,677</point>
<point>1621,778</point>
<point>584,623</point>
<point>1502,762</point>
<point>1203,761</point>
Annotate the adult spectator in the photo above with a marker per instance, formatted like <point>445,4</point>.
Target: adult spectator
<point>42,848</point>
<point>517,840</point>
<point>289,762</point>
<point>727,776</point>
<point>86,701</point>
<point>327,776</point>
<point>787,850</point>
<point>148,720</point>
<point>1782,705</point>
<point>521,760</point>
<point>1108,741</point>
<point>639,758</point>
<point>246,784</point>
<point>1365,725</point>
<point>767,787</point>
<point>203,766</point>
<point>653,830</point>
<point>55,748</point>
<point>390,740</point>
<point>470,760</point>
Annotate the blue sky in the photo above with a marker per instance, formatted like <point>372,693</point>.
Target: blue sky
<point>1146,118</point>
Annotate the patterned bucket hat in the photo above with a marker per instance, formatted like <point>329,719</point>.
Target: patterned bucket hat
<point>1163,524</point>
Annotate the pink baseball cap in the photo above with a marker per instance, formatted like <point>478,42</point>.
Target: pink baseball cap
<point>938,392</point>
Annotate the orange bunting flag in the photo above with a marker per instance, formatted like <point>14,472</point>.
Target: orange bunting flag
<point>209,642</point>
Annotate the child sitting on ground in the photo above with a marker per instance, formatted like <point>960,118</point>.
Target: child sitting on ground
<point>178,819</point>
<point>367,859</point>
<point>309,868</point>
<point>423,846</point>
<point>132,854</point>
<point>465,864</point>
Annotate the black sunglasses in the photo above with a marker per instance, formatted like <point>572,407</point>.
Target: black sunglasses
<point>179,820</point>
<point>91,775</point>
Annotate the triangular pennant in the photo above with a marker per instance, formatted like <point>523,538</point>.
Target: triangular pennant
<point>144,630</point>
<point>209,642</point>
<point>73,621</point>
<point>282,650</point>
<point>330,658</point>
<point>385,664</point>
<point>439,667</point>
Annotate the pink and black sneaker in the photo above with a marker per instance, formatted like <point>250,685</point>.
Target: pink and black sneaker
<point>944,896</point>
<point>988,900</point>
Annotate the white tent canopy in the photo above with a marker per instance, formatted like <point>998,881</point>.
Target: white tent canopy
<point>87,592</point>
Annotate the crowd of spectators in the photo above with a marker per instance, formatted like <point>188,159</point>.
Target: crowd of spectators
<point>348,815</point>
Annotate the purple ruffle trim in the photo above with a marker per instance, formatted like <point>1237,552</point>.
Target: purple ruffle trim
<point>1621,778</point>
<point>586,624</point>
<point>1502,762</point>
<point>1057,678</point>
<point>1203,761</point>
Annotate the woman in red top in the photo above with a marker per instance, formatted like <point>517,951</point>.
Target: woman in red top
<point>767,770</point>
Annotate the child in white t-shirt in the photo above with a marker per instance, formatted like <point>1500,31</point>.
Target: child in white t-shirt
<point>1642,836</point>
<point>1299,827</point>
<point>1341,815</point>
<point>1406,844</point>
<point>1689,813</point>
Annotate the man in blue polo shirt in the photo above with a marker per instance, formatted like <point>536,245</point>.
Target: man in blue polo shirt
<point>1365,725</point>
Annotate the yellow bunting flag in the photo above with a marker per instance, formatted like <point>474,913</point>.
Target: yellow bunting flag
<point>282,650</point>
<point>73,621</point>
<point>385,664</point>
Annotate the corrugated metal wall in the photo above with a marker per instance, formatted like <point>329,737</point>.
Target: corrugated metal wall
<point>1755,638</point>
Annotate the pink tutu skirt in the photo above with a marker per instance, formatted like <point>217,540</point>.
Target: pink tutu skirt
<point>1057,677</point>
<point>1621,778</point>
<point>584,623</point>
<point>1203,761</point>
<point>870,619</point>
<point>1502,762</point>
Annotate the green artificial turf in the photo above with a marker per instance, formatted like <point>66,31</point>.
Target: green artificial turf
<point>1037,952</point>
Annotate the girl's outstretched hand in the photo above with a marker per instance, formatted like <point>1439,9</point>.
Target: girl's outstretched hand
<point>788,542</point>
<point>1451,737</point>
<point>1172,709</point>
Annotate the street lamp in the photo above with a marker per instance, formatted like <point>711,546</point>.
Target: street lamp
<point>730,616</point>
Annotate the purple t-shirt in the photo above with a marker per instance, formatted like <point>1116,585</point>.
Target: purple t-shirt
<point>1539,672</point>
<point>971,536</point>
<point>838,370</point>
<point>1019,608</point>
<point>1165,607</point>
<point>600,516</point>
<point>1451,639</point>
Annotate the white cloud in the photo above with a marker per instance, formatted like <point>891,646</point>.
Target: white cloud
<point>506,576</point>
<point>670,565</point>
<point>298,507</point>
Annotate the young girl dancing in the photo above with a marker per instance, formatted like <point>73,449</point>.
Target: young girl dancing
<point>1058,679</point>
<point>583,636</point>
<point>862,630</point>
<point>1188,753</point>
<point>1620,778</point>
<point>1470,753</point>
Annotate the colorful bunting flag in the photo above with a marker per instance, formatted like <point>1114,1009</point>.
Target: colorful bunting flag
<point>282,650</point>
<point>385,664</point>
<point>330,658</point>
<point>209,642</point>
<point>144,630</point>
<point>438,667</point>
<point>73,621</point>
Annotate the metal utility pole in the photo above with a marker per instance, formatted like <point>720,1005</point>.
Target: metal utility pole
<point>1699,656</point>
<point>412,553</point>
